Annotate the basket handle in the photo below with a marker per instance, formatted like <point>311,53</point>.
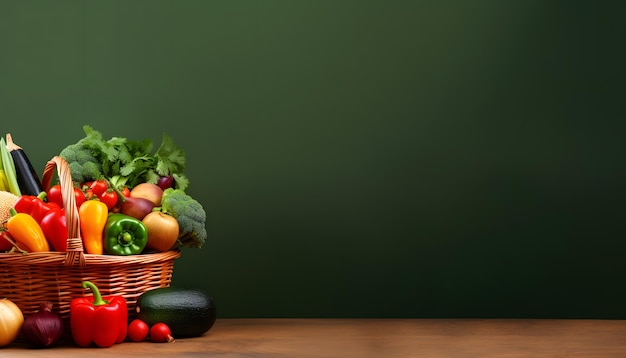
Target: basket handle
<point>75,252</point>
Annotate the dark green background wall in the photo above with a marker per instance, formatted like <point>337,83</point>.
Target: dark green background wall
<point>357,158</point>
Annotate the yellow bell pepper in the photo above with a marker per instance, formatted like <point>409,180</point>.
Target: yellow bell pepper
<point>25,229</point>
<point>93,215</point>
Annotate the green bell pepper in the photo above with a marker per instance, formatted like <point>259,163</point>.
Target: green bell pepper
<point>124,235</point>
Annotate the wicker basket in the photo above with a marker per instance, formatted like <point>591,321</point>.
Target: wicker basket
<point>31,279</point>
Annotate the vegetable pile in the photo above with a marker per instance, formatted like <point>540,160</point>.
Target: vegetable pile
<point>131,198</point>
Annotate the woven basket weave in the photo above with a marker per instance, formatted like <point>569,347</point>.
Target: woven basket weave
<point>33,278</point>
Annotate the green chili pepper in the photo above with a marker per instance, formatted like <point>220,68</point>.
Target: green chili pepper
<point>124,235</point>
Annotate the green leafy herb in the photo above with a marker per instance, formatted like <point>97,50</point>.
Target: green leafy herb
<point>124,161</point>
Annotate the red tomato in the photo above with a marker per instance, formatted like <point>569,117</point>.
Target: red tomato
<point>138,330</point>
<point>161,333</point>
<point>5,245</point>
<point>85,187</point>
<point>98,187</point>
<point>126,192</point>
<point>109,197</point>
<point>54,195</point>
<point>79,196</point>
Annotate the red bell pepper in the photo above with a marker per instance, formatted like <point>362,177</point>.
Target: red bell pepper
<point>98,320</point>
<point>54,227</point>
<point>50,216</point>
<point>32,205</point>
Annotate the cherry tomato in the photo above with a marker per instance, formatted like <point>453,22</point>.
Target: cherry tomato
<point>54,195</point>
<point>5,245</point>
<point>85,186</point>
<point>138,330</point>
<point>98,187</point>
<point>126,192</point>
<point>5,242</point>
<point>109,197</point>
<point>161,333</point>
<point>79,196</point>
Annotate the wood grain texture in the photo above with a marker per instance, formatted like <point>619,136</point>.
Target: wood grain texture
<point>375,338</point>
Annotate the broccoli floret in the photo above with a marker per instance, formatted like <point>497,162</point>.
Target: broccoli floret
<point>190,215</point>
<point>84,166</point>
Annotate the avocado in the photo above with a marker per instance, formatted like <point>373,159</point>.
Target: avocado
<point>188,312</point>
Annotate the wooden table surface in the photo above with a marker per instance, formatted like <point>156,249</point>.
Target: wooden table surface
<point>374,338</point>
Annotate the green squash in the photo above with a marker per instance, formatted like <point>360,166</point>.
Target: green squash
<point>188,312</point>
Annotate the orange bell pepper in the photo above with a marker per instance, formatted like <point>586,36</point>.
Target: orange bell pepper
<point>93,216</point>
<point>25,229</point>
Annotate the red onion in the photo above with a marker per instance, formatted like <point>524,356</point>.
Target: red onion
<point>44,328</point>
<point>166,181</point>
